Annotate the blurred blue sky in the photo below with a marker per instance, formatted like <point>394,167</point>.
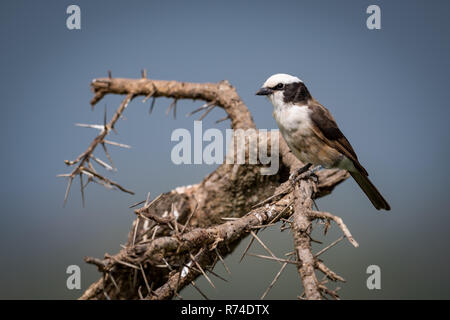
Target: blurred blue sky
<point>387,89</point>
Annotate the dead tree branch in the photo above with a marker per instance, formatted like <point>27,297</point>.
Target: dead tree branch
<point>181,234</point>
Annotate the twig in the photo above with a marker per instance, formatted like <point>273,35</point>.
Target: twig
<point>107,181</point>
<point>339,222</point>
<point>329,273</point>
<point>83,158</point>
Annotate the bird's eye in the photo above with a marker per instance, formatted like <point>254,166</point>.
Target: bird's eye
<point>279,86</point>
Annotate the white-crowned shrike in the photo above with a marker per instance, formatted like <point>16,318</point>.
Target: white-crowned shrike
<point>312,134</point>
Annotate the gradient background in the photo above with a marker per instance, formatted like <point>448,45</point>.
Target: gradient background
<point>388,90</point>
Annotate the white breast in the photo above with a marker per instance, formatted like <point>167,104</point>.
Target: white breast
<point>293,119</point>
<point>295,126</point>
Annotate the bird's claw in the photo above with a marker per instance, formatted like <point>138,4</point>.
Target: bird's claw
<point>304,174</point>
<point>310,175</point>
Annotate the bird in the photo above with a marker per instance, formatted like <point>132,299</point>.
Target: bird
<point>312,133</point>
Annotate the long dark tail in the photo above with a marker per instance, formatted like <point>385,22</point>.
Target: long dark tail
<point>371,191</point>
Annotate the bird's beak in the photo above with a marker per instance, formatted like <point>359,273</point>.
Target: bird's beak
<point>264,92</point>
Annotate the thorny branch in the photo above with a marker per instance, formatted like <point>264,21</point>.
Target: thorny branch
<point>85,158</point>
<point>182,234</point>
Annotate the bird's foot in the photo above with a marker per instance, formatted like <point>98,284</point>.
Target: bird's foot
<point>304,174</point>
<point>309,175</point>
<point>293,177</point>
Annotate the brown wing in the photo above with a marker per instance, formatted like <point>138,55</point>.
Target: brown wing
<point>327,129</point>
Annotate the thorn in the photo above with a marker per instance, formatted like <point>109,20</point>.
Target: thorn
<point>274,280</point>
<point>109,74</point>
<point>102,163</point>
<point>68,190</point>
<point>206,113</point>
<point>272,258</point>
<point>127,264</point>
<point>90,167</point>
<point>104,118</point>
<point>175,109</point>
<point>140,293</point>
<point>223,262</point>
<point>135,229</point>
<point>153,201</point>
<point>82,189</point>
<point>167,264</point>
<point>136,204</point>
<point>147,97</point>
<point>202,271</point>
<point>271,197</point>
<point>145,279</point>
<point>189,218</point>
<point>205,106</point>
<point>113,143</point>
<point>88,180</point>
<point>199,291</point>
<point>262,244</point>
<point>217,275</point>
<point>152,105</point>
<point>223,119</point>
<point>114,281</point>
<point>104,181</point>
<point>144,74</point>
<point>329,246</point>
<point>154,232</point>
<point>93,126</point>
<point>172,214</point>
<point>108,156</point>
<point>64,175</point>
<point>248,247</point>
<point>315,204</point>
<point>147,202</point>
<point>174,106</point>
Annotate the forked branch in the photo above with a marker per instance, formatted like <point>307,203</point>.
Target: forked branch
<point>181,234</point>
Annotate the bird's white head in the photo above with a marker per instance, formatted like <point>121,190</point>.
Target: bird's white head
<point>281,88</point>
<point>283,78</point>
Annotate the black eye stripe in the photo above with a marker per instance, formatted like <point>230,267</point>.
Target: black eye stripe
<point>278,86</point>
<point>296,92</point>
